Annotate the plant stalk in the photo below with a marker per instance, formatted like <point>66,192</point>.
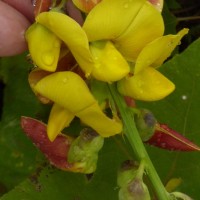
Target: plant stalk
<point>133,137</point>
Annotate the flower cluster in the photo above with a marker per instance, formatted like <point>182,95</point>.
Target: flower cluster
<point>125,46</point>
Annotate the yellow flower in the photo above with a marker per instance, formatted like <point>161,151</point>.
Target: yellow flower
<point>147,83</point>
<point>120,34</point>
<point>130,25</point>
<point>71,98</point>
<point>105,47</point>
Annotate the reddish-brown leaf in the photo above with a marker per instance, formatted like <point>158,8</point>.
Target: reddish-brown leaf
<point>166,138</point>
<point>56,151</point>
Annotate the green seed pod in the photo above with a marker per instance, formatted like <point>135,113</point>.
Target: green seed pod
<point>83,152</point>
<point>145,123</point>
<point>130,182</point>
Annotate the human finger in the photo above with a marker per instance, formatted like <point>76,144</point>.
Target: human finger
<point>12,27</point>
<point>24,6</point>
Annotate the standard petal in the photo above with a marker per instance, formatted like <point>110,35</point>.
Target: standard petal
<point>85,5</point>
<point>66,89</point>
<point>72,34</point>
<point>146,26</point>
<point>156,52</point>
<point>148,85</point>
<point>44,47</point>
<point>59,118</point>
<point>110,18</point>
<point>109,63</point>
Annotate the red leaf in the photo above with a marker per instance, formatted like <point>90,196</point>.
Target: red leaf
<point>56,151</point>
<point>166,138</point>
<point>41,6</point>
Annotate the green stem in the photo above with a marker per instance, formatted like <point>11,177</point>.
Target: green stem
<point>179,19</point>
<point>137,144</point>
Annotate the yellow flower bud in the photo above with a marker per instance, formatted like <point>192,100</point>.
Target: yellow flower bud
<point>109,63</point>
<point>44,47</point>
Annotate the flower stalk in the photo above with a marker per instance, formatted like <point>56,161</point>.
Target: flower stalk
<point>133,137</point>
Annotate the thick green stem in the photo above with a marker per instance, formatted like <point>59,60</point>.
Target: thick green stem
<point>137,144</point>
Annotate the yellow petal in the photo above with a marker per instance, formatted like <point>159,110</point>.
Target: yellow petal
<point>95,118</point>
<point>85,5</point>
<point>69,91</point>
<point>110,18</point>
<point>146,26</point>
<point>109,63</point>
<point>148,85</point>
<point>59,118</point>
<point>72,34</point>
<point>156,52</point>
<point>44,47</point>
<point>34,76</point>
<point>66,89</point>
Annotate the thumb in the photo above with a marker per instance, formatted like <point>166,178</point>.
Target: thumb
<point>12,27</point>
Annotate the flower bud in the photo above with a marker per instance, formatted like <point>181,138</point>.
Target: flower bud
<point>145,123</point>
<point>136,190</point>
<point>110,65</point>
<point>179,195</point>
<point>44,47</point>
<point>130,182</point>
<point>83,152</point>
<point>127,172</point>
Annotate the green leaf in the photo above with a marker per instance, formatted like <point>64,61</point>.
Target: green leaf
<point>169,20</point>
<point>52,184</point>
<point>17,154</point>
<point>180,111</point>
<point>173,4</point>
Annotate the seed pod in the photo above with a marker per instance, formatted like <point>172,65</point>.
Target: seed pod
<point>145,123</point>
<point>84,150</point>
